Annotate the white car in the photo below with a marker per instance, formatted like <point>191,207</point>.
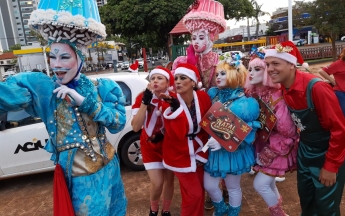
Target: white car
<point>140,62</point>
<point>23,137</point>
<point>299,42</point>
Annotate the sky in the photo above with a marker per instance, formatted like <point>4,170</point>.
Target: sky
<point>267,6</point>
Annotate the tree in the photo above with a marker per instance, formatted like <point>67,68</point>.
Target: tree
<point>15,47</point>
<point>326,16</point>
<point>39,37</point>
<point>148,22</point>
<point>257,14</point>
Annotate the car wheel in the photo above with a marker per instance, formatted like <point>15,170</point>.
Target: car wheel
<point>131,153</point>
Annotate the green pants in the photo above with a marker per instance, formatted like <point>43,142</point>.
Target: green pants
<point>315,198</point>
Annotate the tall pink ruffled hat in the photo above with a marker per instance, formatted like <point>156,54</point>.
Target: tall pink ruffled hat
<point>207,15</point>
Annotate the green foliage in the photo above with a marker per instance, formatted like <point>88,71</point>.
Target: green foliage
<point>237,9</point>
<point>326,16</point>
<point>149,22</point>
<point>39,37</point>
<point>270,32</point>
<point>15,47</point>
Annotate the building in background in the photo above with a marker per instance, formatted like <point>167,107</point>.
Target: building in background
<point>14,16</point>
<point>237,34</point>
<point>279,23</point>
<point>100,3</point>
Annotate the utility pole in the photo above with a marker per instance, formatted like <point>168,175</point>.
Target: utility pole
<point>290,20</point>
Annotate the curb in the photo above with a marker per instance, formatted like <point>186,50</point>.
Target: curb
<point>319,61</point>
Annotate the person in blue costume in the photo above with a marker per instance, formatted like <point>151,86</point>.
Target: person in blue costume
<point>75,110</point>
<point>222,164</point>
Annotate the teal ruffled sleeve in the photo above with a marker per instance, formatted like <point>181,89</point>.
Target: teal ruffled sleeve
<point>110,111</point>
<point>13,96</point>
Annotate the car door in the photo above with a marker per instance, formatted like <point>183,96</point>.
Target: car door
<point>21,143</point>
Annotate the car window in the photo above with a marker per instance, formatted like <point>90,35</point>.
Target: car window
<point>21,118</point>
<point>127,92</point>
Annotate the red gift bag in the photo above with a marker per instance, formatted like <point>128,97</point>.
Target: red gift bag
<point>62,200</point>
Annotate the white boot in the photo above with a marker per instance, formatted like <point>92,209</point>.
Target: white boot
<point>280,179</point>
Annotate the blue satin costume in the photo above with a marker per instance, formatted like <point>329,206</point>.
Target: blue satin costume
<point>101,191</point>
<point>221,162</point>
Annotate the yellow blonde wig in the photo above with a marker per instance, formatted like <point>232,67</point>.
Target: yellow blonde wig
<point>235,77</point>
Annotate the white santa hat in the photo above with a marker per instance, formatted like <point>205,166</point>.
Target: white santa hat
<point>165,72</point>
<point>288,52</point>
<point>191,71</point>
<point>134,67</point>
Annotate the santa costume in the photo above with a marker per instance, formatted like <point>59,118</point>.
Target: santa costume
<point>153,124</point>
<point>277,155</point>
<point>183,142</point>
<point>316,112</point>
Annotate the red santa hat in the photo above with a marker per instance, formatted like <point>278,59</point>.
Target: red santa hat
<point>288,52</point>
<point>134,67</point>
<point>190,71</point>
<point>165,72</point>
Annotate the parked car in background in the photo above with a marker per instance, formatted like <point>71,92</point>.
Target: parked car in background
<point>140,62</point>
<point>299,42</point>
<point>119,64</point>
<point>23,137</point>
<point>125,65</point>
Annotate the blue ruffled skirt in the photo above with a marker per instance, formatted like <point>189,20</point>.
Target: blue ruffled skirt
<point>101,193</point>
<point>221,162</point>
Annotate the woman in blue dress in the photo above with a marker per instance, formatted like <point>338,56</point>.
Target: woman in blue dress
<point>75,110</point>
<point>222,164</point>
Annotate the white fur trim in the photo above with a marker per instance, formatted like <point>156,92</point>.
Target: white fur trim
<point>171,88</point>
<point>199,85</point>
<point>282,55</point>
<point>305,65</point>
<point>169,115</point>
<point>192,168</point>
<point>154,165</point>
<point>133,71</point>
<point>159,71</point>
<point>189,73</point>
<point>152,123</point>
<point>135,111</point>
<point>201,159</point>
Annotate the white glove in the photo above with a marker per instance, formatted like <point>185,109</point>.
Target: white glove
<point>258,160</point>
<point>64,91</point>
<point>213,144</point>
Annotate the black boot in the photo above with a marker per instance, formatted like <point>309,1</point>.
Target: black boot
<point>153,213</point>
<point>166,213</point>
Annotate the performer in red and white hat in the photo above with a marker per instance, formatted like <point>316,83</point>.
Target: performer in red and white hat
<point>147,115</point>
<point>319,119</point>
<point>184,138</point>
<point>134,67</point>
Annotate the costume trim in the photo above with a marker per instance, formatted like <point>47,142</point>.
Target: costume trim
<point>183,170</point>
<point>169,115</point>
<point>154,165</point>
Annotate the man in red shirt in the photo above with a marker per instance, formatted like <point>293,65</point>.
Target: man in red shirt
<point>321,124</point>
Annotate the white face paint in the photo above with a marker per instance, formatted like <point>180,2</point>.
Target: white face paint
<point>256,75</point>
<point>63,61</point>
<point>221,79</point>
<point>199,40</point>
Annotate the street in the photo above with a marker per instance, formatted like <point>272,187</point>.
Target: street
<point>32,195</point>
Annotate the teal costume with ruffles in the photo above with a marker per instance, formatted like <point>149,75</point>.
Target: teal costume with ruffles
<point>221,162</point>
<point>74,130</point>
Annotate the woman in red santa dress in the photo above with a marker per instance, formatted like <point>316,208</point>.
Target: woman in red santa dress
<point>184,137</point>
<point>147,112</point>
